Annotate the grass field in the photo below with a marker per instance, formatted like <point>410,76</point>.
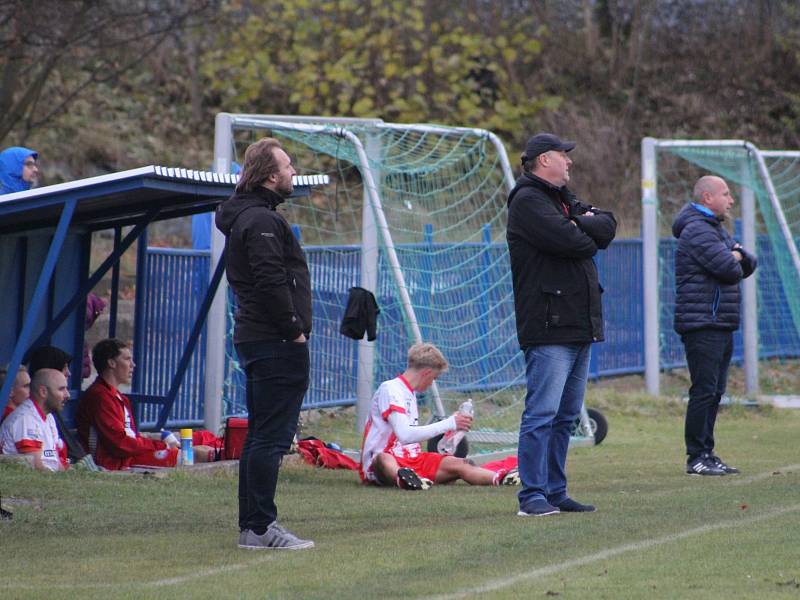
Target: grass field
<point>658,533</point>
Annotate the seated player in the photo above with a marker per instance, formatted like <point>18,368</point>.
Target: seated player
<point>391,453</point>
<point>31,429</point>
<point>20,391</point>
<point>105,418</point>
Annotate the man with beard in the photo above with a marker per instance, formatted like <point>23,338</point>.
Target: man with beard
<point>31,429</point>
<point>267,270</point>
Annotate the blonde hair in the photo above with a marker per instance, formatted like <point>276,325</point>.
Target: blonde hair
<point>424,355</point>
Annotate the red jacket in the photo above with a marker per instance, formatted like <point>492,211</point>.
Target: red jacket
<point>106,427</point>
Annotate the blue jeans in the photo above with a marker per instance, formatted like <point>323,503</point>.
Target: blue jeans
<point>708,356</point>
<point>277,380</point>
<point>556,377</point>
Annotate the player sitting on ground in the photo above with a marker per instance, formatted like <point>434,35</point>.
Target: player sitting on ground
<point>391,453</point>
<point>105,417</point>
<point>31,429</point>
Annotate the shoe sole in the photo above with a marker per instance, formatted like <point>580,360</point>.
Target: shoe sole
<point>296,547</point>
<point>522,513</point>
<point>410,480</point>
<point>706,474</point>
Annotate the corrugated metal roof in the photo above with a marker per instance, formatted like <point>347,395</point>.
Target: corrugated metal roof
<point>121,198</point>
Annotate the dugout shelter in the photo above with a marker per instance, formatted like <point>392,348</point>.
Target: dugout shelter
<point>45,251</point>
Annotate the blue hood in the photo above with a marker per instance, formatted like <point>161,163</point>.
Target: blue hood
<point>11,160</point>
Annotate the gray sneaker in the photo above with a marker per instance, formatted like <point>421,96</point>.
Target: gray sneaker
<point>275,537</point>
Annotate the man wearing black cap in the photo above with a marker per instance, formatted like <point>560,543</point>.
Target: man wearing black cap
<point>552,238</point>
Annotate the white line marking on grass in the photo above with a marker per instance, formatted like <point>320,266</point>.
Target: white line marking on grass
<point>497,584</point>
<point>199,574</point>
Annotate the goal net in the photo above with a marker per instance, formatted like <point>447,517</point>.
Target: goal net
<point>437,207</point>
<point>766,187</point>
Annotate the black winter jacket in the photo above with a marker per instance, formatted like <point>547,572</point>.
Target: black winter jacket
<point>266,267</point>
<point>707,275</point>
<point>556,288</point>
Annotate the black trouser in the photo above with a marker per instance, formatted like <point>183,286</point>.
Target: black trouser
<point>708,355</point>
<point>277,380</point>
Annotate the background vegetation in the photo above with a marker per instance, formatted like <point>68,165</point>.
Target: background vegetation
<point>103,86</point>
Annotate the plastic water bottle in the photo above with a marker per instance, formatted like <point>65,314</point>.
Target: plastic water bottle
<point>451,439</point>
<point>169,438</point>
<point>187,454</point>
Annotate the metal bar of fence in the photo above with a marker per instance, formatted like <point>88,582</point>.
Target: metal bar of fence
<point>333,271</point>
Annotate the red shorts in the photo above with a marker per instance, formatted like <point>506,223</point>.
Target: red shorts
<point>425,464</point>
<point>168,457</point>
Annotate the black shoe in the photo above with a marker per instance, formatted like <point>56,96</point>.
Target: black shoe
<point>538,508</point>
<point>408,479</point>
<point>570,505</point>
<point>727,468</point>
<point>703,465</point>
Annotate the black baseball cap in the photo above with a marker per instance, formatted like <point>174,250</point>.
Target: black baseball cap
<point>543,142</point>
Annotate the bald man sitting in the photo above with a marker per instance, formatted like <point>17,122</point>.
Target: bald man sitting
<point>31,428</point>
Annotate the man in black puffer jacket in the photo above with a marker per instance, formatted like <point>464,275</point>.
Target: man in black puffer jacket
<point>267,269</point>
<point>552,238</point>
<point>709,265</point>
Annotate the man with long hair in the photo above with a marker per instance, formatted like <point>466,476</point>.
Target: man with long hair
<point>267,270</point>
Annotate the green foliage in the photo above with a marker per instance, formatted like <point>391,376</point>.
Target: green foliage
<point>405,61</point>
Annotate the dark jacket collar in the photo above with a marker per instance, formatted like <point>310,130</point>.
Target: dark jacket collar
<point>528,180</point>
<point>271,198</point>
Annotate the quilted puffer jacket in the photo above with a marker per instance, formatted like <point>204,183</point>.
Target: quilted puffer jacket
<point>707,275</point>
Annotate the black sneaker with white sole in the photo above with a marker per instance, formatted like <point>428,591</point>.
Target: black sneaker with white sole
<point>725,467</point>
<point>703,465</point>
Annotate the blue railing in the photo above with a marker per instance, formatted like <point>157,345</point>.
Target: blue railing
<point>177,279</point>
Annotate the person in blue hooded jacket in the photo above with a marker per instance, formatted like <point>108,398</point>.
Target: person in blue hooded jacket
<point>709,266</point>
<point>19,170</point>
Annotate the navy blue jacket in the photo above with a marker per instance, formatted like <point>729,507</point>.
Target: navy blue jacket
<point>707,275</point>
<point>556,288</point>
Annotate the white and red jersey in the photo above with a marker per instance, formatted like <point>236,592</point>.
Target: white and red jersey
<point>27,430</point>
<point>395,395</point>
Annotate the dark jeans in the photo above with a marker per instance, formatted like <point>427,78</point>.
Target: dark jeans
<point>708,355</point>
<point>277,380</point>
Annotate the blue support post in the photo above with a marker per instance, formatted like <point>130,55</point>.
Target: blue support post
<point>138,321</point>
<point>23,341</point>
<point>112,311</point>
<point>191,343</point>
<point>96,276</point>
<point>23,272</point>
<point>78,337</point>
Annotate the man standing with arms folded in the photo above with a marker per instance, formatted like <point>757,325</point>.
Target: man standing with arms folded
<point>552,238</point>
<point>267,270</point>
<point>709,265</point>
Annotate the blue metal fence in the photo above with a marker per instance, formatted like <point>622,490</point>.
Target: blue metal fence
<point>177,279</point>
<point>175,282</point>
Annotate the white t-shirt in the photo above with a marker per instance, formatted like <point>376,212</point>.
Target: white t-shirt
<point>395,396</point>
<point>27,429</point>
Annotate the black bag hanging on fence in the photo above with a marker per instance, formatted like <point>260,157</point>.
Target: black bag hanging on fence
<point>360,315</point>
